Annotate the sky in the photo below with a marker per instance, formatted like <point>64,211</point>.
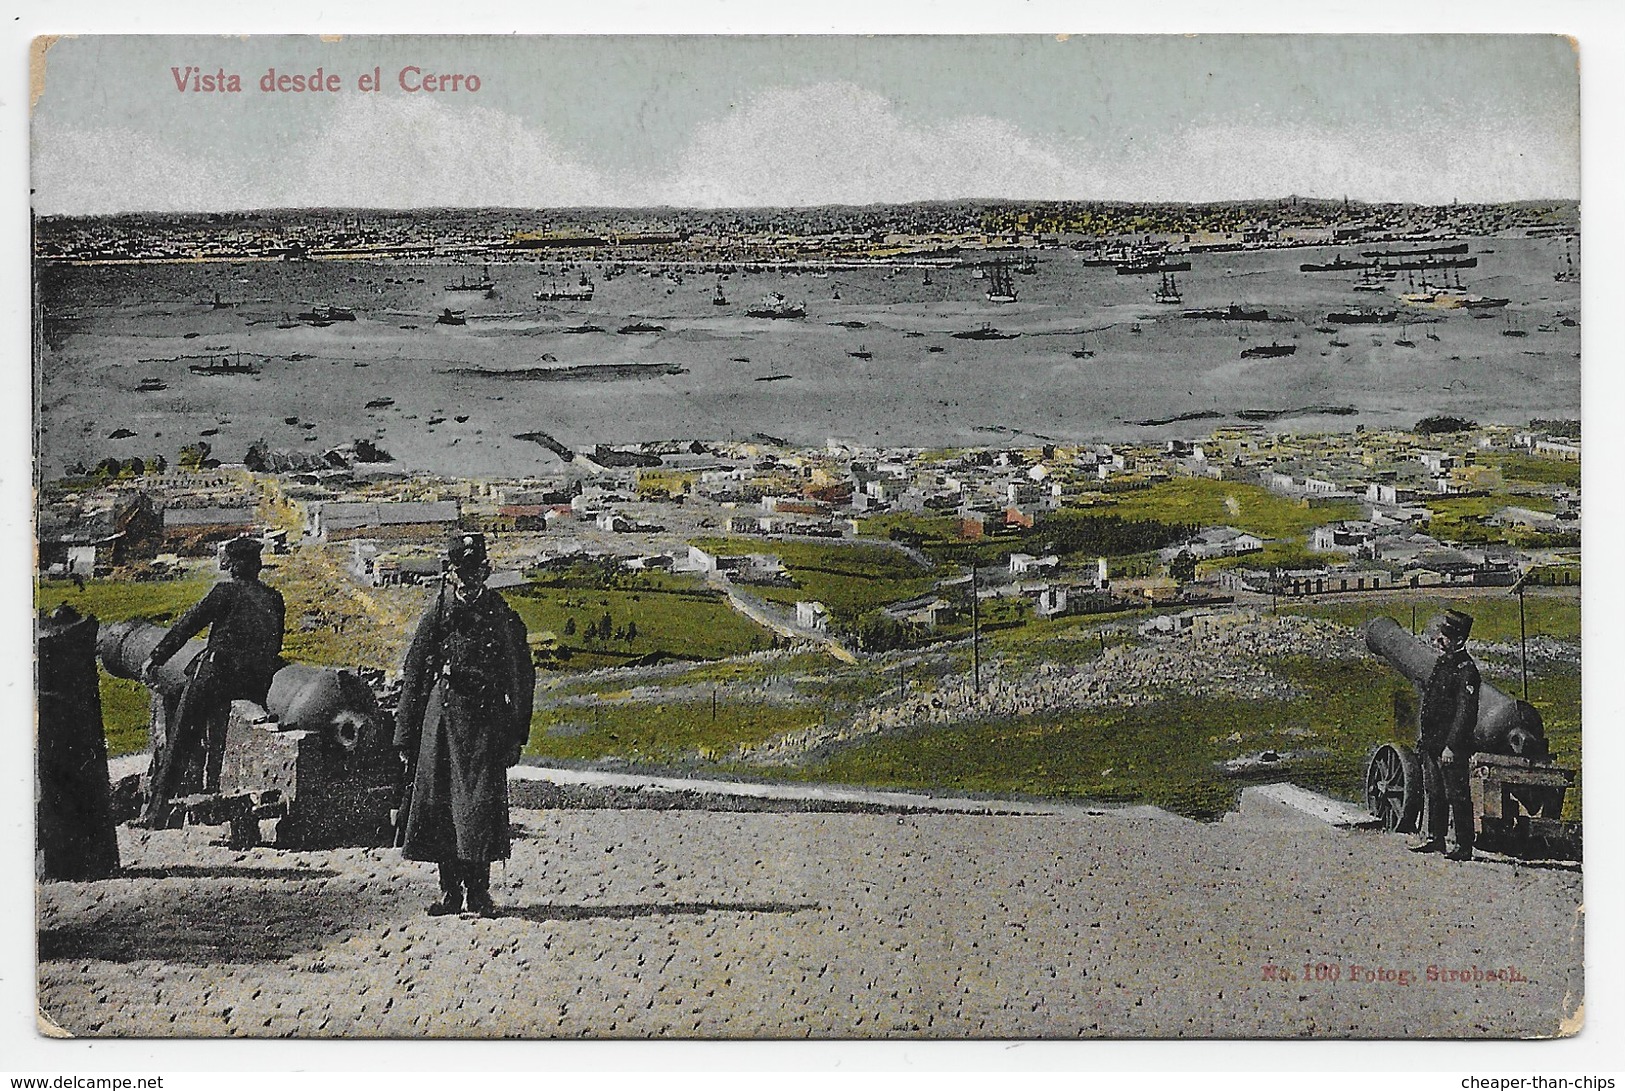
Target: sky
<point>789,120</point>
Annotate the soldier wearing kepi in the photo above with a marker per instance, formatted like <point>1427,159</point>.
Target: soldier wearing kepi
<point>1445,741</point>
<point>244,618</point>
<point>464,718</point>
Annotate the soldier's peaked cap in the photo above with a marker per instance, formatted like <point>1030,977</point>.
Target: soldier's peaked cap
<point>1455,624</point>
<point>466,550</point>
<point>243,549</point>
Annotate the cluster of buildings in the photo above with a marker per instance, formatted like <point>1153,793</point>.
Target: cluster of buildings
<point>1384,510</point>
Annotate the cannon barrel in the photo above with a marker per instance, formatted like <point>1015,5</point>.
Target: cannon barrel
<point>1498,714</point>
<point>333,702</point>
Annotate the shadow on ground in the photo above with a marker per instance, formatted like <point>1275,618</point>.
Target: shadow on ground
<point>542,913</point>
<point>224,871</point>
<point>204,927</point>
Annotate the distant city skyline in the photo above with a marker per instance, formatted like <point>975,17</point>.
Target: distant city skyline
<point>719,122</point>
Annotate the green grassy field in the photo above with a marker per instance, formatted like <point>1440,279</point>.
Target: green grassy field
<point>1535,471</point>
<point>1462,518</point>
<point>660,733</point>
<point>1207,502</point>
<point>117,600</point>
<point>680,618</point>
<point>849,579</point>
<point>1495,617</point>
<point>124,703</point>
<point>1166,752</point>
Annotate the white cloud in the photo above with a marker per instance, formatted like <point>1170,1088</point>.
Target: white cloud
<point>399,151</point>
<point>114,170</point>
<point>821,144</point>
<point>840,144</point>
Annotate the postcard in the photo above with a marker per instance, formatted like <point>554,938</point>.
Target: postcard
<point>893,537</point>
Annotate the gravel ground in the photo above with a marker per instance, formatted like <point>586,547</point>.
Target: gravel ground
<point>699,924</point>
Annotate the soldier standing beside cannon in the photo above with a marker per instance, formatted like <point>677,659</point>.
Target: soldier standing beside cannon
<point>244,618</point>
<point>464,718</point>
<point>1445,742</point>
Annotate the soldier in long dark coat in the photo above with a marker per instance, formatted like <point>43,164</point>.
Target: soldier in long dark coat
<point>464,718</point>
<point>245,619</point>
<point>1445,740</point>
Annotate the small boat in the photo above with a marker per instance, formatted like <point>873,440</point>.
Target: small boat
<point>151,384</point>
<point>934,348</point>
<point>1235,312</point>
<point>326,315</point>
<point>1404,339</point>
<point>584,329</point>
<point>1260,352</point>
<point>642,327</point>
<point>771,378</point>
<point>774,305</point>
<point>1336,344</point>
<point>1362,316</point>
<point>985,332</point>
<point>380,403</point>
<point>719,300</point>
<point>449,317</point>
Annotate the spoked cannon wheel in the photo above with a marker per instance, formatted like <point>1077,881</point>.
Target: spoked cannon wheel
<point>1393,787</point>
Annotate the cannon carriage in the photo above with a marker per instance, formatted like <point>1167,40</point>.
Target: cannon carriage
<point>1517,789</point>
<point>315,767</point>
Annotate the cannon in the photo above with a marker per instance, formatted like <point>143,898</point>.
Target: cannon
<point>316,762</point>
<point>1517,790</point>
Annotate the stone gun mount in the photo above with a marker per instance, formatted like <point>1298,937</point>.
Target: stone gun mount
<point>1505,725</point>
<point>317,764</point>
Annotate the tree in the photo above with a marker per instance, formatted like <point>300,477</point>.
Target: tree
<point>570,626</point>
<point>1183,567</point>
<point>631,631</point>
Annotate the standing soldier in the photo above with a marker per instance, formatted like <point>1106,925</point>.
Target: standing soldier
<point>464,718</point>
<point>244,618</point>
<point>1445,741</point>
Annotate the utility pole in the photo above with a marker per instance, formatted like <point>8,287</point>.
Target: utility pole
<point>1523,636</point>
<point>975,634</point>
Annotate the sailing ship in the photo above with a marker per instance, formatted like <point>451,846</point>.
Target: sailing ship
<point>861,353</point>
<point>1569,273</point>
<point>484,284</point>
<point>226,365</point>
<point>1083,351</point>
<point>1000,288</point>
<point>719,300</point>
<point>581,291</point>
<point>1168,290</point>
